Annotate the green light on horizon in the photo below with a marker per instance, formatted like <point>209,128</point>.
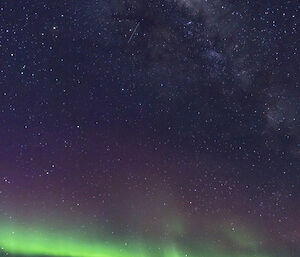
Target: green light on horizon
<point>19,240</point>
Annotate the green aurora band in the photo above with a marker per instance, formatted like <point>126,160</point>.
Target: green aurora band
<point>36,241</point>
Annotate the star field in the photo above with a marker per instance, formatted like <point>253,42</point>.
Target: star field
<point>161,128</point>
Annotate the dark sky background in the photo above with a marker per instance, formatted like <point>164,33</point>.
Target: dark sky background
<point>164,119</point>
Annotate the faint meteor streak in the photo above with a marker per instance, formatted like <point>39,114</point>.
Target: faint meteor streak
<point>136,27</point>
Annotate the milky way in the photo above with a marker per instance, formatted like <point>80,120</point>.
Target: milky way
<point>157,128</point>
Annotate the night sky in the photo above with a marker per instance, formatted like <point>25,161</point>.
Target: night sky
<point>159,128</point>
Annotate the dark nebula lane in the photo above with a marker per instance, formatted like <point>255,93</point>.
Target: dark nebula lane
<point>160,128</point>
